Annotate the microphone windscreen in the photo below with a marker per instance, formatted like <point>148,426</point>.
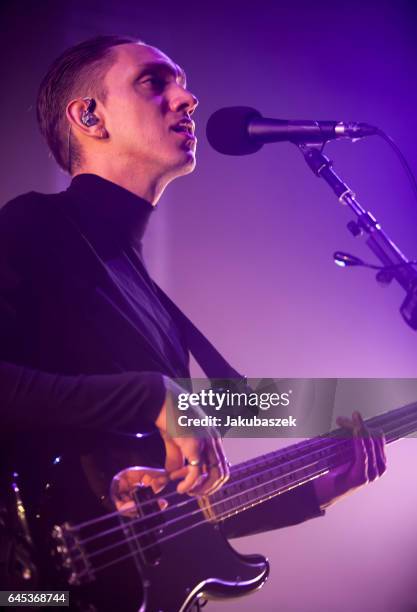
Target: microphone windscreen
<point>227,130</point>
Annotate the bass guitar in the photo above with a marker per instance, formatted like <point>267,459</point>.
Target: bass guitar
<point>170,555</point>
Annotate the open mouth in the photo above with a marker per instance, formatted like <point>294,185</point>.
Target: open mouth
<point>185,129</point>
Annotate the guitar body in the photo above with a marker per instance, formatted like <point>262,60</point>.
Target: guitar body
<point>158,560</point>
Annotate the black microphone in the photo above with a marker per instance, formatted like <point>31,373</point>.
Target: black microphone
<point>240,130</point>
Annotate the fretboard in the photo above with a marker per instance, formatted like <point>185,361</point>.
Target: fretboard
<point>257,480</point>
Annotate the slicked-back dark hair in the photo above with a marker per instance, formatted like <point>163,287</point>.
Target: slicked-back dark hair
<point>78,72</point>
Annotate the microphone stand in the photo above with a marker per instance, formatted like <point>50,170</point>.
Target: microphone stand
<point>381,245</point>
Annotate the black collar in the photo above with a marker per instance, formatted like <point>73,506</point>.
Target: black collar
<point>107,212</point>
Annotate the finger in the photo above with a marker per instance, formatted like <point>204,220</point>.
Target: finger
<point>381,459</point>
<point>214,470</point>
<point>192,452</point>
<point>181,473</point>
<point>124,483</point>
<point>372,468</point>
<point>372,465</point>
<point>217,466</point>
<point>127,508</point>
<point>223,464</point>
<point>156,483</point>
<point>358,421</point>
<point>345,423</point>
<point>359,470</point>
<point>208,471</point>
<point>199,489</point>
<point>192,478</point>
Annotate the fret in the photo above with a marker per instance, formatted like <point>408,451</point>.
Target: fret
<point>257,480</point>
<point>259,500</point>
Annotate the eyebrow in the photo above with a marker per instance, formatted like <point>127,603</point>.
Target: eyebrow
<point>173,70</point>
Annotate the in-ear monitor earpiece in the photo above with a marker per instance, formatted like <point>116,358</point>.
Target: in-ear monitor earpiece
<point>88,118</point>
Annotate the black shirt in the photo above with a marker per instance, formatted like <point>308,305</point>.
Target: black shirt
<point>77,348</point>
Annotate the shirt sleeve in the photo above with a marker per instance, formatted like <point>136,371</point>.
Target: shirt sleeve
<point>32,399</point>
<point>291,508</point>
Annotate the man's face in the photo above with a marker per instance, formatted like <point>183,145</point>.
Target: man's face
<point>146,100</point>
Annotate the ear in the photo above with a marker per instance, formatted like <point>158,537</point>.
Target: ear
<point>74,112</point>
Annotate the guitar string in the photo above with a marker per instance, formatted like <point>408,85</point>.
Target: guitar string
<point>178,532</point>
<point>293,449</point>
<point>322,443</point>
<point>284,453</point>
<point>175,534</point>
<point>220,517</point>
<point>175,507</point>
<point>198,510</point>
<point>169,537</point>
<point>147,517</point>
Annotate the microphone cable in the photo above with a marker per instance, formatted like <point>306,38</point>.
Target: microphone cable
<point>402,158</point>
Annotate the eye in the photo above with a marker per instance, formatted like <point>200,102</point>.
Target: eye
<point>154,82</point>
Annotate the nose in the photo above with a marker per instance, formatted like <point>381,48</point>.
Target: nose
<point>183,100</point>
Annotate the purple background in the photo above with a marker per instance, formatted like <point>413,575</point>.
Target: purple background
<point>245,245</point>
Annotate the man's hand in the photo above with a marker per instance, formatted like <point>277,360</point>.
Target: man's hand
<point>368,464</point>
<point>197,460</point>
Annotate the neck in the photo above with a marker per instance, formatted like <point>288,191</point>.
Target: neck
<point>259,479</point>
<point>143,182</point>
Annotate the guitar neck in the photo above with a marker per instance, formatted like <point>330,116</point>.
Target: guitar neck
<point>257,480</point>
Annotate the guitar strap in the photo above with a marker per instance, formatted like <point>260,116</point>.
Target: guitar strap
<point>213,364</point>
<point>207,356</point>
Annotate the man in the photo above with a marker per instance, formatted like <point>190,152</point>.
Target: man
<point>88,342</point>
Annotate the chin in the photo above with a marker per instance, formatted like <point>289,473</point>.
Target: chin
<point>190,166</point>
<point>186,167</point>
